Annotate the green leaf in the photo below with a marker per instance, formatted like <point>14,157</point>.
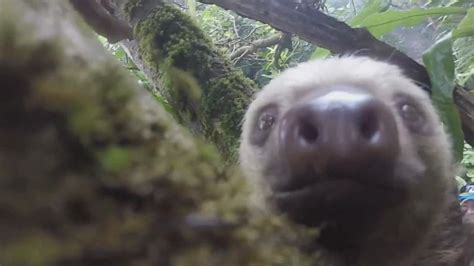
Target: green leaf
<point>466,26</point>
<point>371,7</point>
<point>320,53</point>
<point>432,3</point>
<point>120,53</point>
<point>460,182</point>
<point>460,3</point>
<point>439,62</point>
<point>380,23</point>
<point>102,40</point>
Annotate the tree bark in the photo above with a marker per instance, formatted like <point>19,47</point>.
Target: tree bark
<point>94,172</point>
<point>258,44</point>
<point>209,95</point>
<point>98,17</point>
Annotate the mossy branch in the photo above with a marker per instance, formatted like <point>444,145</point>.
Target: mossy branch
<point>94,172</point>
<point>167,40</point>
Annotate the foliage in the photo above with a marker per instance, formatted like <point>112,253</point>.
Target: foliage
<point>120,54</point>
<point>380,23</point>
<point>468,163</point>
<point>466,26</point>
<point>229,32</point>
<point>412,29</point>
<point>464,53</point>
<point>464,50</point>
<point>439,62</point>
<point>449,61</point>
<point>372,7</point>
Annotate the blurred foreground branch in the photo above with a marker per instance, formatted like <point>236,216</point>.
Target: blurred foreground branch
<point>94,172</point>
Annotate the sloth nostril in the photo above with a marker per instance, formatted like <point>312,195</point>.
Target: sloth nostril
<point>308,132</point>
<point>369,125</point>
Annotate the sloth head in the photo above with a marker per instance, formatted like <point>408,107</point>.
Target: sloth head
<point>348,144</point>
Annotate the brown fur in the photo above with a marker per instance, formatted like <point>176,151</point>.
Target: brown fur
<point>425,229</point>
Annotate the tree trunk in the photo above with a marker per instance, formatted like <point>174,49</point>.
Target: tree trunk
<point>94,172</point>
<point>209,95</point>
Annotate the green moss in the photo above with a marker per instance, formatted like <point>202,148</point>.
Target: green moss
<point>131,6</point>
<point>116,175</point>
<point>114,159</point>
<point>87,123</point>
<point>36,249</point>
<point>169,42</point>
<point>184,83</point>
<point>232,95</point>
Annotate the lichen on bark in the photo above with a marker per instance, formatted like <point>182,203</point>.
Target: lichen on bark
<point>94,172</point>
<point>170,40</point>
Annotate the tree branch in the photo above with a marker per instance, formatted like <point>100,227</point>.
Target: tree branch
<point>191,75</point>
<point>98,16</point>
<point>94,172</point>
<point>262,43</point>
<point>338,37</point>
<point>323,31</point>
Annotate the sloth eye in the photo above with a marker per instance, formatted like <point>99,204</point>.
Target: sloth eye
<point>410,113</point>
<point>413,118</point>
<point>266,121</point>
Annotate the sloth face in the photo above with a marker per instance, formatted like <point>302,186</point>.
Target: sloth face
<point>343,139</point>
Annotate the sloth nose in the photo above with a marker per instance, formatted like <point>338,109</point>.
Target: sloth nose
<point>339,134</point>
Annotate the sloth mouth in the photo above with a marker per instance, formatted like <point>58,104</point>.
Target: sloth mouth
<point>312,197</point>
<point>336,187</point>
<point>335,200</point>
<point>326,191</point>
<point>321,183</point>
<point>370,177</point>
<point>295,187</point>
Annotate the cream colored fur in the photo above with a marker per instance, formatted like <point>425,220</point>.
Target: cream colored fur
<point>429,155</point>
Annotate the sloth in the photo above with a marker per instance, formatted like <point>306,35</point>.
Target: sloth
<point>352,146</point>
